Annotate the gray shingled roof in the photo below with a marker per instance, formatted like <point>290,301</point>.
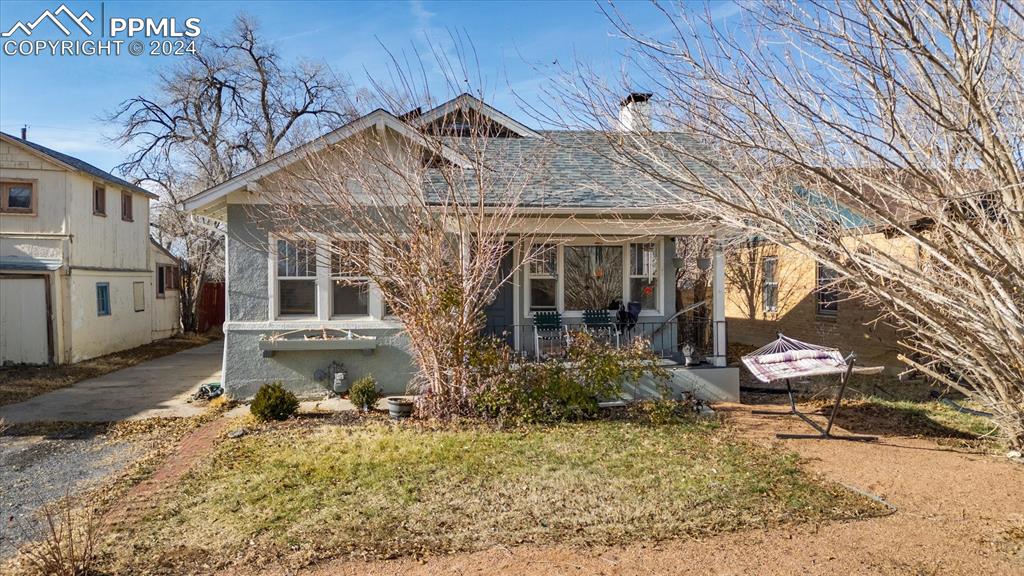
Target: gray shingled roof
<point>570,169</point>
<point>80,165</point>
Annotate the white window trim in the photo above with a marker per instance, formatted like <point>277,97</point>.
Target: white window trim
<point>374,304</point>
<point>324,305</point>
<point>275,304</point>
<point>818,290</point>
<point>659,248</point>
<point>774,282</point>
<point>529,276</point>
<point>659,268</point>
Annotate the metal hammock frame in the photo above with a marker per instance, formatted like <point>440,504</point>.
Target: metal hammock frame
<point>831,362</point>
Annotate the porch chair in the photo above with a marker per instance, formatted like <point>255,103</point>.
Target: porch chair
<point>601,321</point>
<point>548,326</point>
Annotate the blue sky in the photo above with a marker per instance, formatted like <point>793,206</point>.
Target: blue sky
<point>61,98</point>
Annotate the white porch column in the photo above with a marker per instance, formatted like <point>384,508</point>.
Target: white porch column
<point>718,305</point>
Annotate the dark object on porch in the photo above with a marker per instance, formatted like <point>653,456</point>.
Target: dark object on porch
<point>628,317</point>
<point>548,326</point>
<point>787,358</point>
<point>600,321</point>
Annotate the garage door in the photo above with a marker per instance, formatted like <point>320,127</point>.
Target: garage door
<point>23,338</point>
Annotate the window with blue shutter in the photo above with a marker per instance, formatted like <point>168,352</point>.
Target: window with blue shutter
<point>102,299</point>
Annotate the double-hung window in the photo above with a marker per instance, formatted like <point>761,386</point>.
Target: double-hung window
<point>296,278</point>
<point>543,276</point>
<point>350,286</point>
<point>827,295</point>
<point>770,283</point>
<point>643,275</point>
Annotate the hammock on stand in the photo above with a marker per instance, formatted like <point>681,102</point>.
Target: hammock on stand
<point>787,358</point>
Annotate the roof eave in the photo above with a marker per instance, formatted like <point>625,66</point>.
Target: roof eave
<point>212,194</point>
<point>39,153</point>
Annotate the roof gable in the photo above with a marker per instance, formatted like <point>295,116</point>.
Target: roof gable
<point>160,248</point>
<point>73,164</point>
<point>377,118</point>
<point>471,108</point>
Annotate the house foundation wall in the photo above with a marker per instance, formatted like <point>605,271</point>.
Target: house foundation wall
<point>247,367</point>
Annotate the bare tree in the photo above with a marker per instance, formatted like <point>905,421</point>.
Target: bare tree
<point>228,107</point>
<point>882,138</point>
<point>423,210</point>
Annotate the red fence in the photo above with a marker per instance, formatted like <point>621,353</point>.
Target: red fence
<point>211,306</point>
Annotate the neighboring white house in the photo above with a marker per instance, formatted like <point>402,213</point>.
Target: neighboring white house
<point>79,274</point>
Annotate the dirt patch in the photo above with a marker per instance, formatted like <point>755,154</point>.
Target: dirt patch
<point>19,383</point>
<point>958,512</point>
<point>41,467</point>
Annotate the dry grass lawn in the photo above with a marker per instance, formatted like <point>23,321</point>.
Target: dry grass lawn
<point>19,383</point>
<point>317,489</point>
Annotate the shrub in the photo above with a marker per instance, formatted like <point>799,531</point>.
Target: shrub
<point>65,541</point>
<point>364,394</point>
<point>665,411</point>
<point>273,402</point>
<point>556,390</point>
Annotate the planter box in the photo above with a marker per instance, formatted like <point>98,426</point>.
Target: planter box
<point>269,347</point>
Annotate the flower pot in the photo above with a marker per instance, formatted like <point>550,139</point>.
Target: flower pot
<point>399,408</point>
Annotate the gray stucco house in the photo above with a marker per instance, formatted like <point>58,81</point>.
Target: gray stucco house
<point>600,214</point>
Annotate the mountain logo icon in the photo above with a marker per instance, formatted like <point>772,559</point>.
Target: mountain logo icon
<point>28,28</point>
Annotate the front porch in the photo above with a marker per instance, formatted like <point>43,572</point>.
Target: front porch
<point>632,282</point>
<point>686,340</point>
<point>619,289</point>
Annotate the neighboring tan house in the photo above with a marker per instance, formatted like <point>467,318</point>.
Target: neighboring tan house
<point>277,292</point>
<point>79,274</point>
<point>772,288</point>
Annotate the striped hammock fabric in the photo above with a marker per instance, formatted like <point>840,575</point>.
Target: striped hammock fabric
<point>788,358</point>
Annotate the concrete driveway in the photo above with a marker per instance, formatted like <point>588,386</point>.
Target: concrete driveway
<point>159,387</point>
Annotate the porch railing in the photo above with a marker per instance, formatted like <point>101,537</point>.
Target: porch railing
<point>670,339</point>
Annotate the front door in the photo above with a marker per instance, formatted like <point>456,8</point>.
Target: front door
<point>499,313</point>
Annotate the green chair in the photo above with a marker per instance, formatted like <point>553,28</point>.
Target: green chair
<point>548,327</point>
<point>601,321</point>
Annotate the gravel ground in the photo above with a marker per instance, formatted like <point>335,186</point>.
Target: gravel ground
<point>36,469</point>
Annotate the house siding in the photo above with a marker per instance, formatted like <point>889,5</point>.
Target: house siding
<point>245,366</point>
<point>246,369</point>
<point>247,252</point>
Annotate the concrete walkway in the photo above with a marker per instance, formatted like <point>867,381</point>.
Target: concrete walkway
<point>159,387</point>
